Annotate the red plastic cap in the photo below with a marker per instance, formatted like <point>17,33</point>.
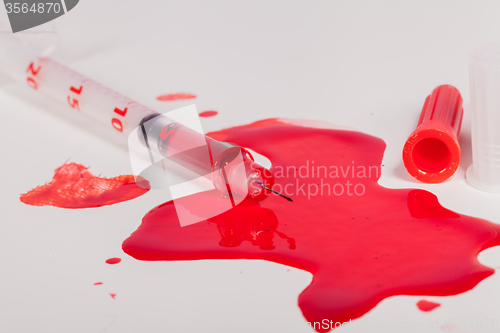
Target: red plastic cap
<point>432,153</point>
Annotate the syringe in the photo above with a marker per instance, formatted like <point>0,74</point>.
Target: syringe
<point>123,115</point>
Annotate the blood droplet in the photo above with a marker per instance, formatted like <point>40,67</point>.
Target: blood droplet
<point>427,306</point>
<point>113,261</point>
<point>210,113</point>
<point>175,97</point>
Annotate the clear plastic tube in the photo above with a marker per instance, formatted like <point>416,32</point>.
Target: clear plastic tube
<point>484,72</point>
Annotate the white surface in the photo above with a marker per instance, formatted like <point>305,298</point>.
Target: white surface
<point>367,65</point>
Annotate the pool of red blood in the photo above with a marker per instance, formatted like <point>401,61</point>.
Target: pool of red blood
<point>359,248</point>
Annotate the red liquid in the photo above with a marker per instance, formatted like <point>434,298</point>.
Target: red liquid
<point>73,186</point>
<point>113,296</point>
<point>97,283</point>
<point>427,306</point>
<point>210,113</point>
<point>175,97</point>
<point>113,261</point>
<point>360,248</point>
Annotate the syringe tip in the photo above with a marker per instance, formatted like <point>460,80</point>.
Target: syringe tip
<point>276,192</point>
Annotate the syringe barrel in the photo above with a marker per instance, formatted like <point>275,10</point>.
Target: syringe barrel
<point>81,94</point>
<point>206,156</point>
<point>123,115</point>
<point>115,111</point>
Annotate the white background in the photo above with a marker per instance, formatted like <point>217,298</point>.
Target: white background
<point>364,64</point>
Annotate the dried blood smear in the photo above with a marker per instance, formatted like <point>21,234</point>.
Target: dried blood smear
<point>359,248</point>
<point>175,97</point>
<point>427,306</point>
<point>73,186</point>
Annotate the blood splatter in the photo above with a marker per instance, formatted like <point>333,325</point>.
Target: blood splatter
<point>210,113</point>
<point>427,306</point>
<point>113,296</point>
<point>97,283</point>
<point>175,97</point>
<point>73,186</point>
<point>362,242</point>
<point>113,261</point>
